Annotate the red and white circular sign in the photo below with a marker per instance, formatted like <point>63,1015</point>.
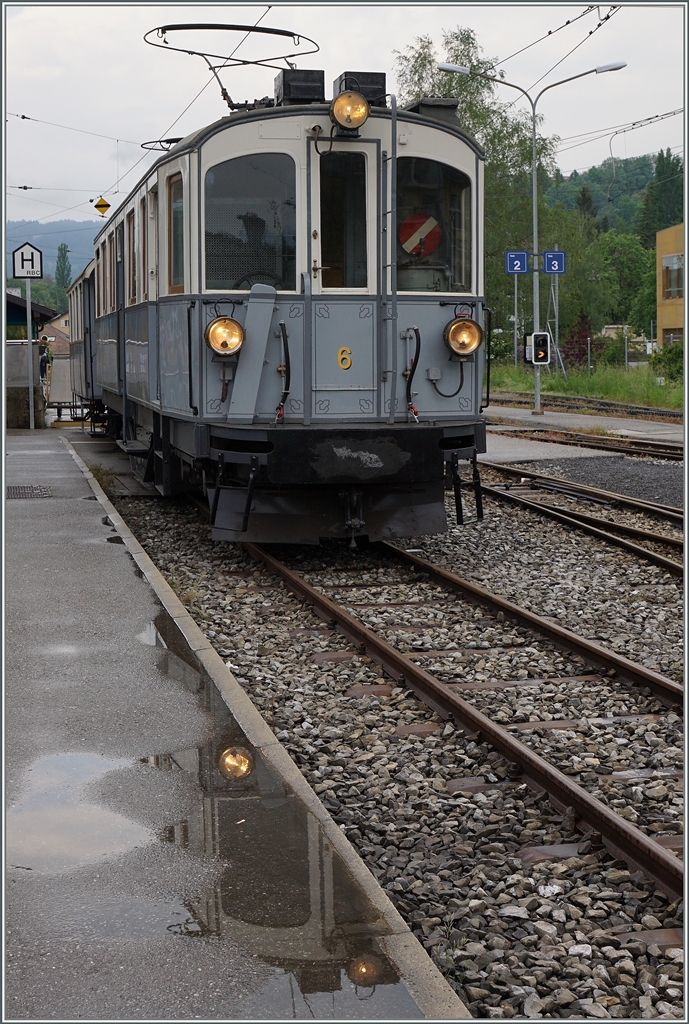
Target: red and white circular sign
<point>420,234</point>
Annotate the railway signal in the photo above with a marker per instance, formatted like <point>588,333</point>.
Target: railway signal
<point>540,348</point>
<point>102,205</point>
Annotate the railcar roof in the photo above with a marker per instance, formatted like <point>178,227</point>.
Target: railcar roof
<point>197,138</point>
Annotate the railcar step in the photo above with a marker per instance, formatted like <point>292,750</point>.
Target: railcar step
<point>133,447</point>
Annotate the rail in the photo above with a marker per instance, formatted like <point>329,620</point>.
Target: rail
<point>621,837</point>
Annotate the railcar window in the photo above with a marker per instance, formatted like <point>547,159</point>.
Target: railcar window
<point>111,271</point>
<point>131,259</point>
<point>143,228</point>
<point>175,234</point>
<point>98,283</point>
<point>251,222</point>
<point>343,220</point>
<point>433,227</point>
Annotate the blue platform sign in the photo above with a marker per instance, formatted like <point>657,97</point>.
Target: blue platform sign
<point>516,262</point>
<point>554,262</point>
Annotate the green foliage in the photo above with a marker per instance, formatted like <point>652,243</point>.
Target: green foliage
<point>45,292</point>
<point>628,263</point>
<point>663,204</point>
<point>643,314</point>
<point>636,386</point>
<point>63,268</point>
<point>616,188</point>
<point>668,362</point>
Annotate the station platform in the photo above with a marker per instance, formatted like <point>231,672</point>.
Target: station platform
<point>143,881</point>
<point>503,448</point>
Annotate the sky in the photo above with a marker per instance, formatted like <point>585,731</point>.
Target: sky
<point>85,66</point>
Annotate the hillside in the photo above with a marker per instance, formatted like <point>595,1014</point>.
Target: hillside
<point>78,234</point>
<point>617,189</point>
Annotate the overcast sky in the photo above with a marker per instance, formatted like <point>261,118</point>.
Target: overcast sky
<point>86,67</point>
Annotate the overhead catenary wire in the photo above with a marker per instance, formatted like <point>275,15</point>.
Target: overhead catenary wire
<point>548,34</point>
<point>620,130</point>
<point>115,186</point>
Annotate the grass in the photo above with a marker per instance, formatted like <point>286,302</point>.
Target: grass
<point>636,386</point>
<point>105,477</point>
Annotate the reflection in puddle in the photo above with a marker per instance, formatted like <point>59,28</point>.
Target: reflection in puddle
<point>280,896</point>
<point>285,895</point>
<point>52,830</point>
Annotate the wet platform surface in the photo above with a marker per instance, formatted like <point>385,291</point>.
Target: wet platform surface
<point>159,867</point>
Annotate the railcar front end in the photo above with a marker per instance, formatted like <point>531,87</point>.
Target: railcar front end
<point>289,316</point>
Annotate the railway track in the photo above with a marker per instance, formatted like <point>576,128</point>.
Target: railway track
<point>574,403</point>
<point>625,446</point>
<point>431,807</point>
<point>619,835</point>
<point>562,500</point>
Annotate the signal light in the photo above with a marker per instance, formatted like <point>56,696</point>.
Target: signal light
<point>540,348</point>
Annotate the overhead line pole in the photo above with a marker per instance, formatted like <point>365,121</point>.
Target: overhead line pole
<point>458,70</point>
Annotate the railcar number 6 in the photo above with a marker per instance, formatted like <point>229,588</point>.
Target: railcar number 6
<point>344,358</point>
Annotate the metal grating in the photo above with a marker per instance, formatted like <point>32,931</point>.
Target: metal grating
<point>28,491</point>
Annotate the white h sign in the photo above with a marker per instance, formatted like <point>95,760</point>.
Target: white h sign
<point>27,261</point>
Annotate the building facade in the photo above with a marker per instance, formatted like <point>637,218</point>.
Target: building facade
<point>670,284</point>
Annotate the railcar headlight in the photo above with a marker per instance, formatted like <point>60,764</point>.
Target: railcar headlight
<point>350,110</point>
<point>224,335</point>
<point>463,336</point>
<point>235,763</point>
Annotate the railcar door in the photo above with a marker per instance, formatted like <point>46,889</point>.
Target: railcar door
<point>344,271</point>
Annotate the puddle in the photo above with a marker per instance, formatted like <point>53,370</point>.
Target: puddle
<point>274,889</point>
<point>52,830</point>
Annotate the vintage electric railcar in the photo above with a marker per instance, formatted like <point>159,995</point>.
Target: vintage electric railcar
<point>287,314</point>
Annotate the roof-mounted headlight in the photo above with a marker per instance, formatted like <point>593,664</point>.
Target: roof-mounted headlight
<point>224,335</point>
<point>463,336</point>
<point>349,110</point>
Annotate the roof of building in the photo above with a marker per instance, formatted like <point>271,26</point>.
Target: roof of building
<point>16,311</point>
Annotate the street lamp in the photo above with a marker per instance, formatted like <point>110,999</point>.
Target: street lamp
<point>458,70</point>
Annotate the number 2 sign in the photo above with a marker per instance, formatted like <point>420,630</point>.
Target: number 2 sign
<point>516,262</point>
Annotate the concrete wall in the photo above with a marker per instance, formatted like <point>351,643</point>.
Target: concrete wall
<point>17,408</point>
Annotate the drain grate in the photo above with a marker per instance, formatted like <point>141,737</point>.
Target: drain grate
<point>28,491</point>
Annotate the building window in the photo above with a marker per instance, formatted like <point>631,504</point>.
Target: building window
<point>673,277</point>
<point>143,228</point>
<point>175,233</point>
<point>65,322</point>
<point>433,227</point>
<point>131,260</point>
<point>343,220</point>
<point>250,222</point>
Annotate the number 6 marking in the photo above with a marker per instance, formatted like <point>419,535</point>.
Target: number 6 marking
<point>344,358</point>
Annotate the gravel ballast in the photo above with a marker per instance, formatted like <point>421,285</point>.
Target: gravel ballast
<point>516,940</point>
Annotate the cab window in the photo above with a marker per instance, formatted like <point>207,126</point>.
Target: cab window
<point>250,222</point>
<point>175,234</point>
<point>343,220</point>
<point>433,227</point>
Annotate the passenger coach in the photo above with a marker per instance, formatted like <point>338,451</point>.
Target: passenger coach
<point>287,314</point>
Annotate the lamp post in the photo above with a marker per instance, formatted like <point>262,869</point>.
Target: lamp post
<point>458,70</point>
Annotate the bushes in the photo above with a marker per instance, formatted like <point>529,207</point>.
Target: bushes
<point>668,362</point>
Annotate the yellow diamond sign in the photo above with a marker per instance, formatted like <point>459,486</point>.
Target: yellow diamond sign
<point>102,205</point>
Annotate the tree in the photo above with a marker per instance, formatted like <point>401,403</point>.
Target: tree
<point>63,268</point>
<point>625,259</point>
<point>584,203</point>
<point>663,204</point>
<point>575,342</point>
<point>643,313</point>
